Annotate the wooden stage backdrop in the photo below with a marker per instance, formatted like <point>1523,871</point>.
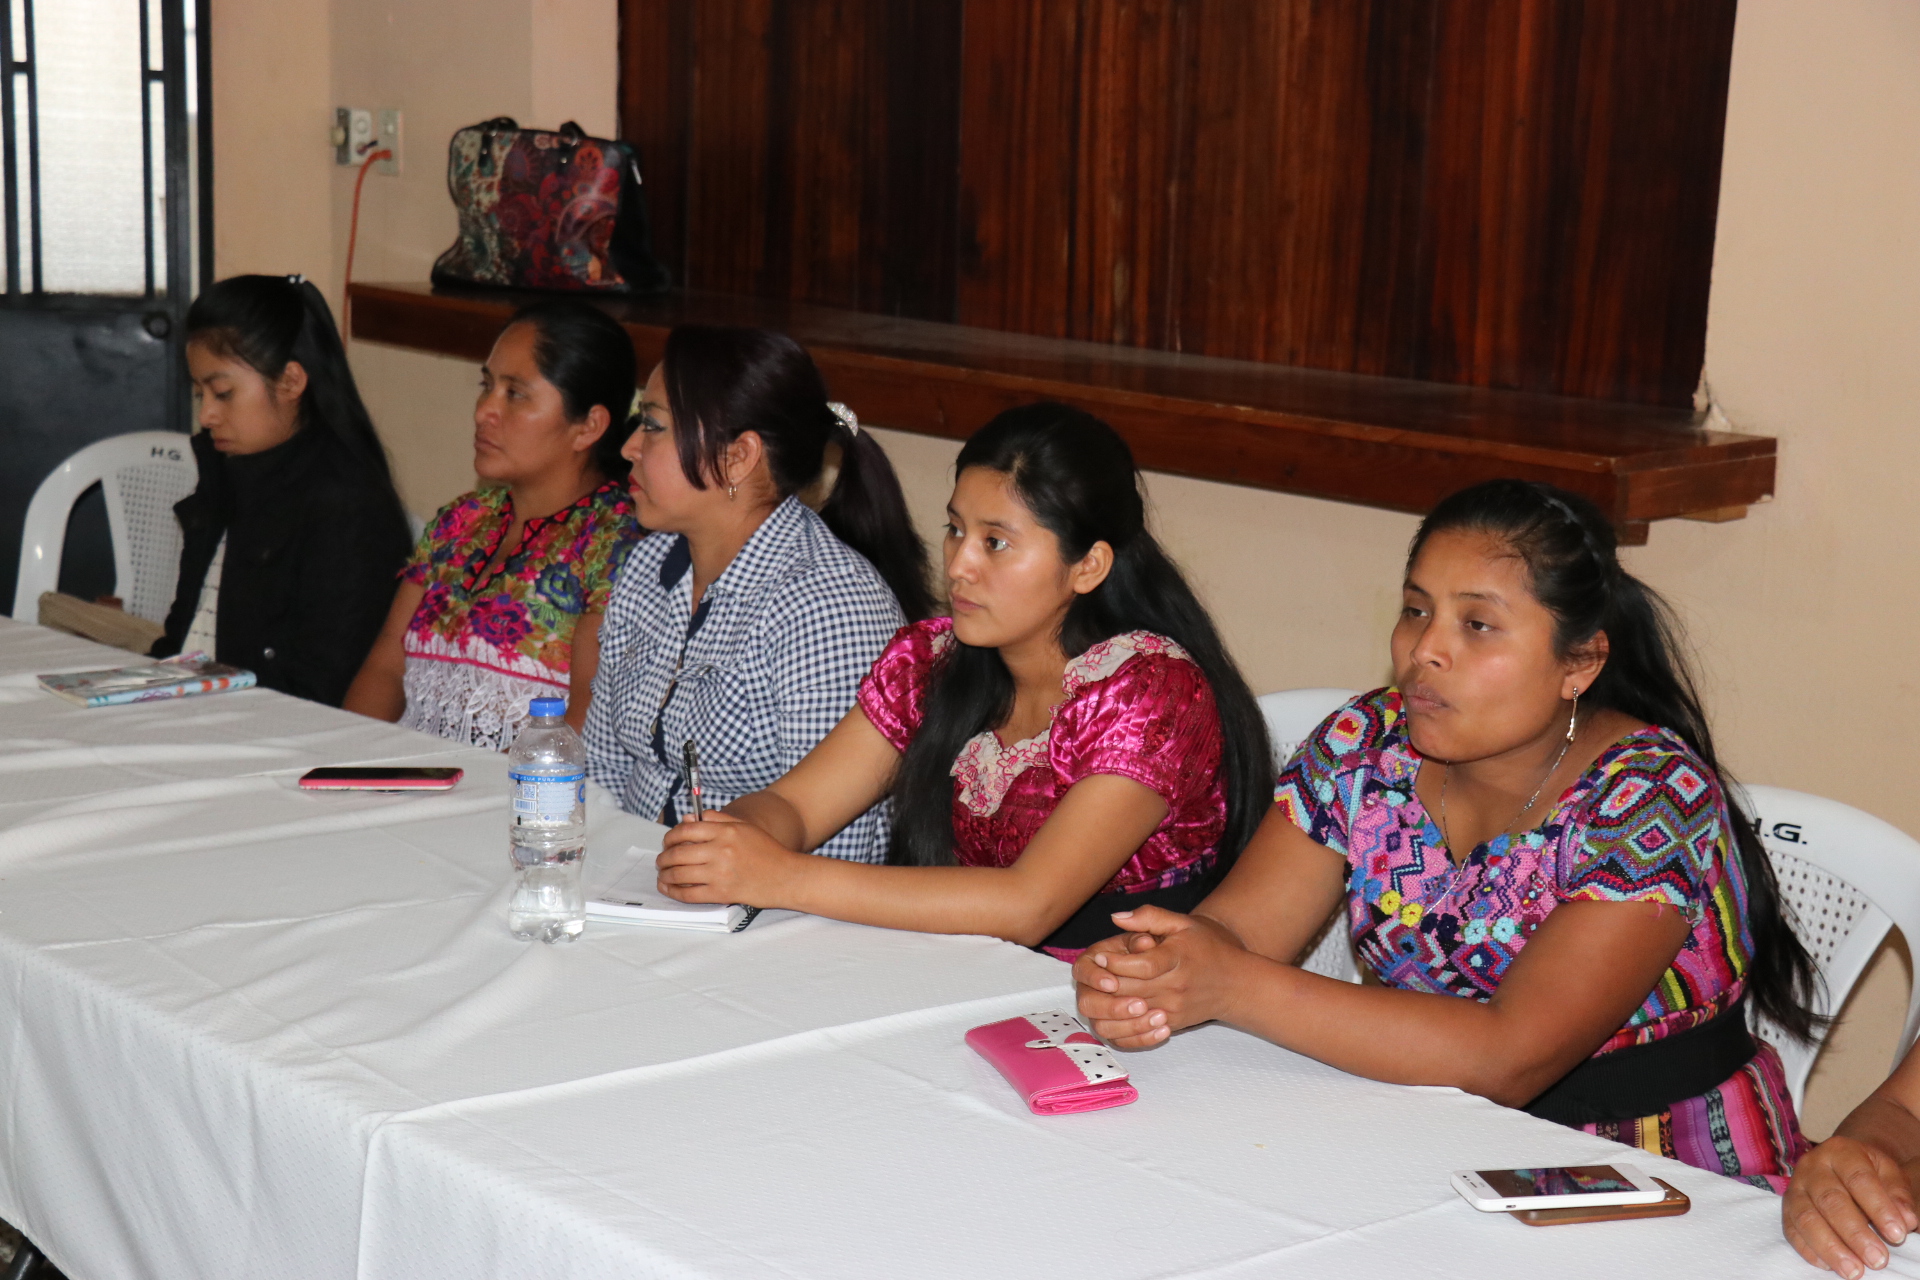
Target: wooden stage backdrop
<point>1499,193</point>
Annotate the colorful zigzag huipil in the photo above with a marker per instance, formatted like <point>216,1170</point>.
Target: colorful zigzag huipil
<point>1647,822</point>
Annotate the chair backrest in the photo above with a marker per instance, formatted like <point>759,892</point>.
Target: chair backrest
<point>1845,878</point>
<point>1291,715</point>
<point>141,474</point>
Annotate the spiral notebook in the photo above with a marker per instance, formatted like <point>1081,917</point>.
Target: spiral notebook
<point>633,899</point>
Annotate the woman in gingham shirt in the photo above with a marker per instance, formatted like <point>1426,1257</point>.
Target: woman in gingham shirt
<point>745,623</point>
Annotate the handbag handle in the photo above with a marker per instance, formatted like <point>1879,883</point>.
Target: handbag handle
<point>499,124</point>
<point>571,135</point>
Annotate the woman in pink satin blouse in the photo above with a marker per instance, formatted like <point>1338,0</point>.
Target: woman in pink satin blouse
<point>1072,742</point>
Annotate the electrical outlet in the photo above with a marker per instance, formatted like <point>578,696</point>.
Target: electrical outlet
<point>361,141</point>
<point>389,141</point>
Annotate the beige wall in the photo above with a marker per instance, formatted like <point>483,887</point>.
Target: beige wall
<point>272,213</point>
<point>279,69</point>
<point>1801,612</point>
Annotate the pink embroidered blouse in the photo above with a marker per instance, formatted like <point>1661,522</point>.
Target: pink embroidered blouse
<point>1137,707</point>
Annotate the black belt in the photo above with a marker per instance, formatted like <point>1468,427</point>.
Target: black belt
<point>1092,922</point>
<point>1646,1079</point>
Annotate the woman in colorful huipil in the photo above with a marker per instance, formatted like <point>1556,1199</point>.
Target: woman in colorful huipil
<point>502,600</point>
<point>1532,840</point>
<point>1073,740</point>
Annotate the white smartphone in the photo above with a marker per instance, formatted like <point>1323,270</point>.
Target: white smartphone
<point>1559,1187</point>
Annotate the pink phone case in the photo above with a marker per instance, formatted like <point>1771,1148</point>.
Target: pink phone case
<point>383,784</point>
<point>1052,1062</point>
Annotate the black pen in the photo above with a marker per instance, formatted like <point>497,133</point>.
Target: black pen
<point>693,781</point>
<point>700,815</point>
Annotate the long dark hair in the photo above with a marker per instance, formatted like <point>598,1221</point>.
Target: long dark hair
<point>267,322</point>
<point>1077,477</point>
<point>589,359</point>
<point>724,382</point>
<point>1570,552</point>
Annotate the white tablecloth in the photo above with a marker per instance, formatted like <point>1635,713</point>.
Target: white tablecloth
<point>888,1149</point>
<point>253,1031</point>
<point>50,750</point>
<point>218,988</point>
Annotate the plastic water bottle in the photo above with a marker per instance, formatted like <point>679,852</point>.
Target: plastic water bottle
<point>548,828</point>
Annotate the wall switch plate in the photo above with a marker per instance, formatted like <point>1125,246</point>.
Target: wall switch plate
<point>389,140</point>
<point>342,129</point>
<point>361,141</point>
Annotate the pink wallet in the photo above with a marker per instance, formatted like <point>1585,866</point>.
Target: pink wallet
<point>1053,1063</point>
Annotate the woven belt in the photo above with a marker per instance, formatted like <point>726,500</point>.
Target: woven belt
<point>1093,922</point>
<point>1646,1079</point>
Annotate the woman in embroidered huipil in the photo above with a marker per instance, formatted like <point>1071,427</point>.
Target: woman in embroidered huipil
<point>501,602</point>
<point>1536,855</point>
<point>1072,741</point>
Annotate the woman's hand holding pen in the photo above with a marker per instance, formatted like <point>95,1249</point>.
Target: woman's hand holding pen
<point>723,859</point>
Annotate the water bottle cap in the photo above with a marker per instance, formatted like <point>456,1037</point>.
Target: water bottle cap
<point>549,706</point>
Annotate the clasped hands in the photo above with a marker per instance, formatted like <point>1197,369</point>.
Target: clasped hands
<point>1167,972</point>
<point>725,859</point>
<point>1847,1200</point>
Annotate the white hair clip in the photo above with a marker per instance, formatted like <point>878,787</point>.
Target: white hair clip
<point>296,278</point>
<point>848,419</point>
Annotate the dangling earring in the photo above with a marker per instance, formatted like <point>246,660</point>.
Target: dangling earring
<point>1575,717</point>
<point>729,493</point>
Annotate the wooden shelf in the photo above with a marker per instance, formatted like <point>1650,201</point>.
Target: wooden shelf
<point>1382,442</point>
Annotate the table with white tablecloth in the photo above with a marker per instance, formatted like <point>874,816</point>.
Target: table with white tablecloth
<point>256,1031</point>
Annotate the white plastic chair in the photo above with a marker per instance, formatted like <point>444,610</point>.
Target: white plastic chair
<point>1845,878</point>
<point>1291,715</point>
<point>142,474</point>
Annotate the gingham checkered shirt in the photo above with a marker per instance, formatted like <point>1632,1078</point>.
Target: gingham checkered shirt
<point>772,660</point>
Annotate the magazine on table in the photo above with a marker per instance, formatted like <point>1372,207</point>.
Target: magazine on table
<point>147,682</point>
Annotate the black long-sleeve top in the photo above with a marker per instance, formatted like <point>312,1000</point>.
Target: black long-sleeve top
<point>314,549</point>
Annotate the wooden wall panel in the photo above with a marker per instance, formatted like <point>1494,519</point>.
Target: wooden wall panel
<point>656,70</point>
<point>1504,193</point>
<point>1573,178</point>
<point>801,149</point>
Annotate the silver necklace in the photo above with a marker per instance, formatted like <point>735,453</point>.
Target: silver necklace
<point>1552,769</point>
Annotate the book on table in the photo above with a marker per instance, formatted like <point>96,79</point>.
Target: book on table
<point>146,682</point>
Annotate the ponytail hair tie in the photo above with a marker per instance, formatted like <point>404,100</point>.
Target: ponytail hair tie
<point>848,419</point>
<point>1594,549</point>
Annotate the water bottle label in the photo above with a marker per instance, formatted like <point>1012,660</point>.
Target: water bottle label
<point>545,798</point>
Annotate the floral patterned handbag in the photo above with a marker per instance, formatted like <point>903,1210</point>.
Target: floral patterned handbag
<point>544,209</point>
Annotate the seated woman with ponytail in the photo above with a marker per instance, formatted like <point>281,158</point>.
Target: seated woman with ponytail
<point>1531,840</point>
<point>294,534</point>
<point>1073,741</point>
<point>744,623</point>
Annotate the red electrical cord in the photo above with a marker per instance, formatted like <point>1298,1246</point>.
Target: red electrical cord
<point>353,235</point>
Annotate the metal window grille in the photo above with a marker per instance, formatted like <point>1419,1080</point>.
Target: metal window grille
<point>104,129</point>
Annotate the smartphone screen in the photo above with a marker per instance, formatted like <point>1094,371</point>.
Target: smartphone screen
<point>376,776</point>
<point>1564,1180</point>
